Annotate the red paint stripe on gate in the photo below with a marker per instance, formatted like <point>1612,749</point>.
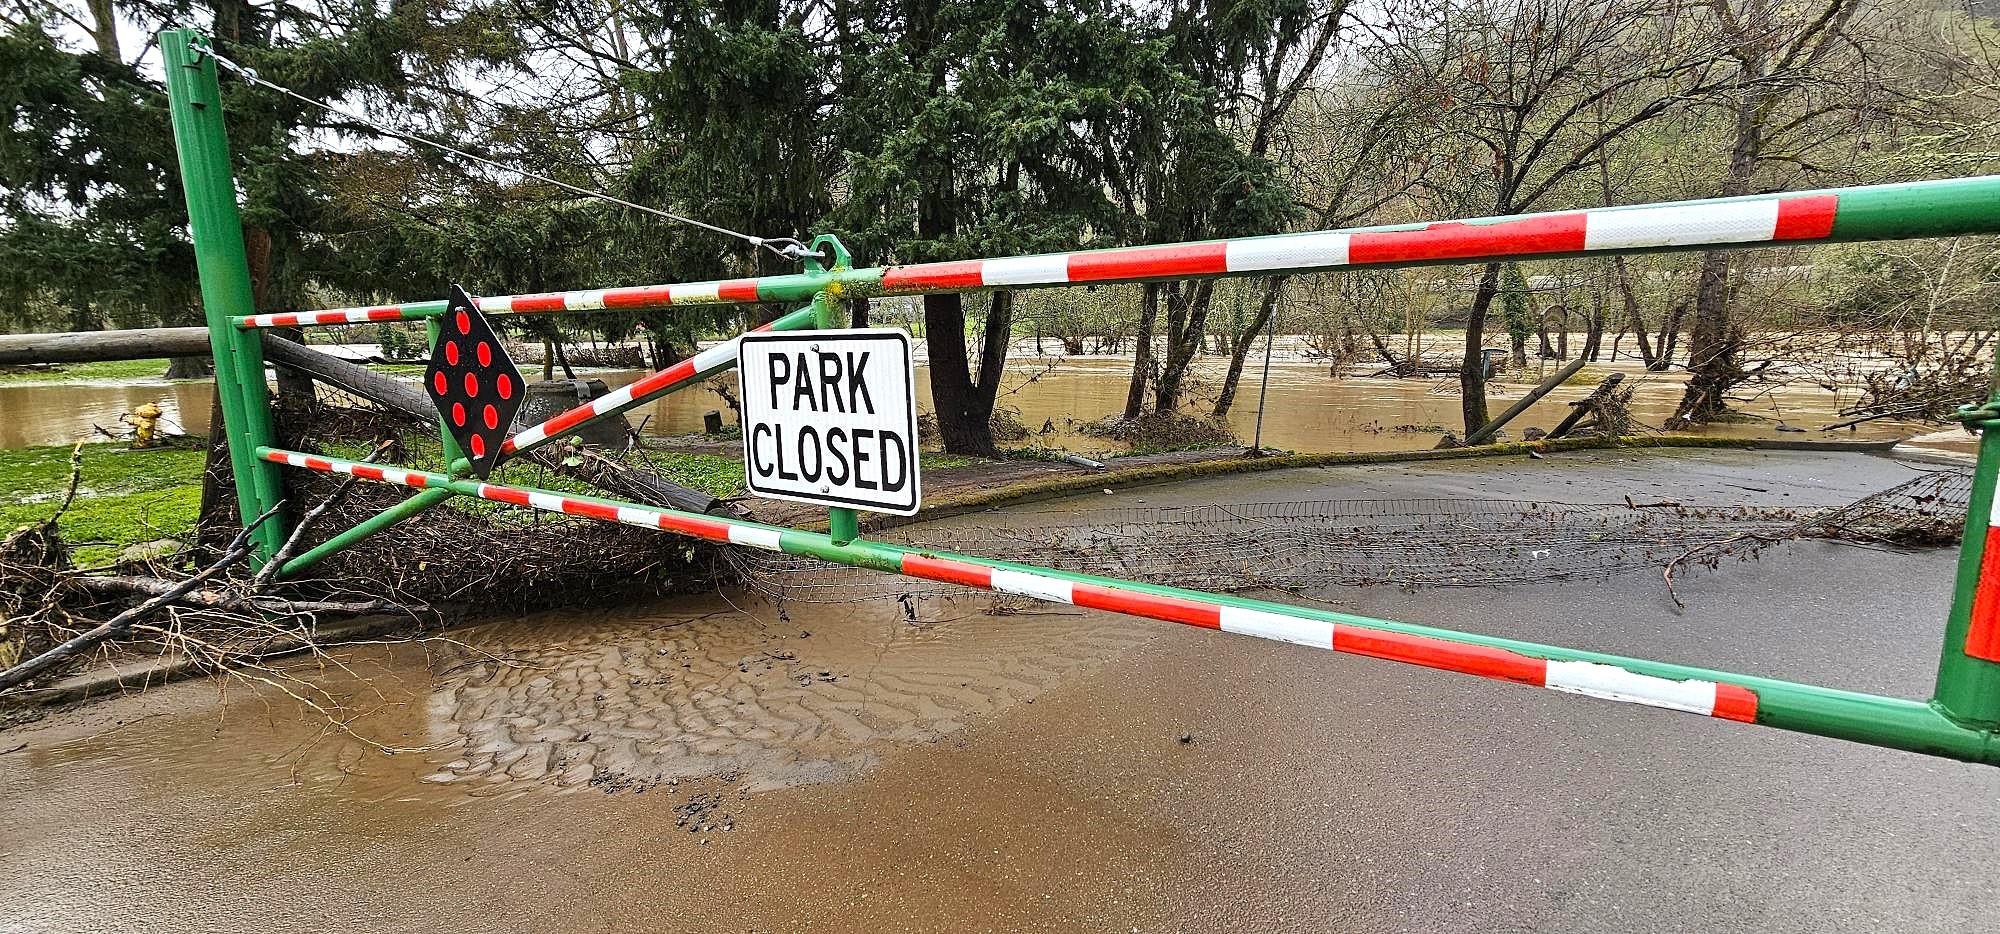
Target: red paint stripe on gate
<point>1150,262</point>
<point>1560,233</point>
<point>545,301</point>
<point>565,421</point>
<point>737,290</point>
<point>366,472</point>
<point>386,313</point>
<point>284,321</point>
<point>577,507</point>
<point>501,494</point>
<point>1480,660</point>
<point>958,275</point>
<point>1982,634</point>
<point>1809,218</point>
<point>1735,702</point>
<point>1172,609</point>
<point>950,572</point>
<point>644,296</point>
<point>700,528</point>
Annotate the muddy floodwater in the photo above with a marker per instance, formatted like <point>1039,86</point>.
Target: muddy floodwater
<point>1305,410</point>
<point>721,763</point>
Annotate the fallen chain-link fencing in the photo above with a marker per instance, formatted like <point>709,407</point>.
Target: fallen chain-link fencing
<point>1302,546</point>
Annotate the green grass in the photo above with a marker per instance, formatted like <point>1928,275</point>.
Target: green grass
<point>107,371</point>
<point>124,497</point>
<point>934,460</point>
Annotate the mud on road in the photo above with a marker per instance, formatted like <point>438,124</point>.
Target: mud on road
<point>698,766</point>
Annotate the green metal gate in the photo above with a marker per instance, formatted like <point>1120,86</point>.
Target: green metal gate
<point>1959,721</point>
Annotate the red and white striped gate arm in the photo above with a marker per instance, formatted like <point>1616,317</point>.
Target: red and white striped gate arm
<point>1806,217</point>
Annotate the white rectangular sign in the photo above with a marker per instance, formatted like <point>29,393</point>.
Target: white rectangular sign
<point>830,417</point>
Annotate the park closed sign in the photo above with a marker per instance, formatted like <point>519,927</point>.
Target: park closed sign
<point>830,417</point>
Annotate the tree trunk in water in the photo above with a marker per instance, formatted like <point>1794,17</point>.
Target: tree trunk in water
<point>1593,335</point>
<point>1187,325</point>
<point>962,425</point>
<point>189,368</point>
<point>1267,305</point>
<point>562,359</point>
<point>1670,338</point>
<point>1471,375</point>
<point>1399,367</point>
<point>1712,366</point>
<point>1633,318</point>
<point>1142,350</point>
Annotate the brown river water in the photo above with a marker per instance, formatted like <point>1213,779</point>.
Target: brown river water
<point>1305,410</point>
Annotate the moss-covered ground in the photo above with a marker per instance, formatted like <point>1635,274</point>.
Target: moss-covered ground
<point>106,371</point>
<point>123,497</point>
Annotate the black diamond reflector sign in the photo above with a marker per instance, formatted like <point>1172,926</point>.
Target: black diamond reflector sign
<point>473,383</point>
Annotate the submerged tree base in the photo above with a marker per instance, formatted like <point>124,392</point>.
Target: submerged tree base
<point>1161,431</point>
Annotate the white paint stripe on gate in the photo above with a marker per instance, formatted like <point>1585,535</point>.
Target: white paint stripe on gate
<point>1025,270</point>
<point>753,537</point>
<point>1681,225</point>
<point>1033,585</point>
<point>695,292</point>
<point>1266,625</point>
<point>1614,683</point>
<point>643,517</point>
<point>1290,252</point>
<point>719,355</point>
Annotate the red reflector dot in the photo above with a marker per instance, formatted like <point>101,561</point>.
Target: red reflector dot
<point>478,446</point>
<point>505,385</point>
<point>451,352</point>
<point>485,354</point>
<point>472,384</point>
<point>458,413</point>
<point>439,383</point>
<point>492,416</point>
<point>464,323</point>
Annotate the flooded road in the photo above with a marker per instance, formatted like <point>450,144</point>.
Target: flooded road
<point>975,769</point>
<point>1306,410</point>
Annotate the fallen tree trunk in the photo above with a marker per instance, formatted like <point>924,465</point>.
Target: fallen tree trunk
<point>1555,379</point>
<point>95,346</point>
<point>136,587</point>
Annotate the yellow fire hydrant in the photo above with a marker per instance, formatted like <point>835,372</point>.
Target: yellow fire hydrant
<point>143,421</point>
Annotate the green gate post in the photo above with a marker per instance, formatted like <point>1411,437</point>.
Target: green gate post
<point>194,99</point>
<point>1968,688</point>
<point>842,524</point>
